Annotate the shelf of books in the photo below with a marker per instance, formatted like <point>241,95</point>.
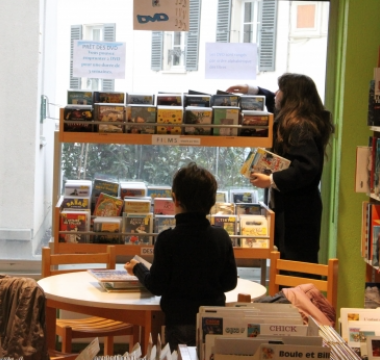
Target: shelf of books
<point>167,139</point>
<point>134,233</point>
<point>89,215</point>
<point>368,182</point>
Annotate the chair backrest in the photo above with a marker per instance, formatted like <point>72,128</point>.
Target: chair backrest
<point>51,262</point>
<point>329,272</point>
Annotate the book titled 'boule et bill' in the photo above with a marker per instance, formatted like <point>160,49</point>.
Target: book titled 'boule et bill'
<point>263,161</point>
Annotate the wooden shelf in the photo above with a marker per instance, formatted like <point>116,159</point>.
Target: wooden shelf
<point>182,140</point>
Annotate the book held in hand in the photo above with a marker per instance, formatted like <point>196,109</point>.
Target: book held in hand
<point>263,161</point>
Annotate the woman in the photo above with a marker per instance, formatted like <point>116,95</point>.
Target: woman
<point>301,132</point>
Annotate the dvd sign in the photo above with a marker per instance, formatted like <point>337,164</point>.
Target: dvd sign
<point>143,19</point>
<point>161,15</point>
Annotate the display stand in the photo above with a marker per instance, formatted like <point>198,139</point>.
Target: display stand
<point>143,139</point>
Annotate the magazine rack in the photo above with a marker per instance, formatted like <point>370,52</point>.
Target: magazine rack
<point>109,138</point>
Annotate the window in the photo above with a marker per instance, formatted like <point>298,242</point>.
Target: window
<point>250,21</point>
<point>309,19</point>
<point>178,50</point>
<point>97,32</point>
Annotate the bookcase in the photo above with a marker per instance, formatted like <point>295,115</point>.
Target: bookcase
<point>144,139</point>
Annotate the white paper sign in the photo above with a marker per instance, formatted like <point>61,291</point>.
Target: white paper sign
<point>231,61</point>
<point>99,59</point>
<point>161,15</point>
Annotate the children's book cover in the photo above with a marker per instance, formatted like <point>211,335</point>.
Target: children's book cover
<point>109,114</point>
<point>196,100</point>
<point>162,191</point>
<point>111,97</point>
<point>225,116</point>
<point>133,189</point>
<point>163,222</point>
<point>375,234</point>
<point>137,116</point>
<point>252,102</point>
<point>163,206</point>
<point>136,225</point>
<point>255,226</point>
<point>79,97</point>
<point>137,205</point>
<point>108,205</point>
<point>170,115</point>
<point>74,203</point>
<point>144,99</point>
<point>169,100</point>
<point>247,209</point>
<point>104,186</point>
<point>223,208</point>
<point>75,222</point>
<point>111,225</point>
<point>227,222</point>
<point>253,123</point>
<point>225,100</point>
<point>243,196</point>
<point>197,116</point>
<point>74,113</point>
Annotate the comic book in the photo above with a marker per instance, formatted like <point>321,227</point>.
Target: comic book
<point>136,225</point>
<point>75,221</point>
<point>108,205</point>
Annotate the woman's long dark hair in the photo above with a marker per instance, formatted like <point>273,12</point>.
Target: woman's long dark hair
<point>301,114</point>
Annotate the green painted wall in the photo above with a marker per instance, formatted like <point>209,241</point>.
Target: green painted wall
<point>353,51</point>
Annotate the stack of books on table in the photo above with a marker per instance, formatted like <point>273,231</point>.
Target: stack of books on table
<point>116,280</point>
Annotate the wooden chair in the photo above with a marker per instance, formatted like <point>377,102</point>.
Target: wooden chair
<point>328,284</point>
<point>89,327</point>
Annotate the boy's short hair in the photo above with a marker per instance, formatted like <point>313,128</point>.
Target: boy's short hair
<point>195,188</point>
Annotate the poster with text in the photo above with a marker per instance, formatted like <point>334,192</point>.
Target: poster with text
<point>99,59</point>
<point>161,15</point>
<point>231,61</point>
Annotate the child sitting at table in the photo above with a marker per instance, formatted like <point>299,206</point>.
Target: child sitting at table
<point>193,263</point>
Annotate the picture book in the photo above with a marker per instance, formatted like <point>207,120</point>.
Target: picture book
<point>375,234</point>
<point>79,97</point>
<point>196,100</point>
<point>77,188</point>
<point>225,116</point>
<point>257,227</point>
<point>75,222</point>
<point>372,295</point>
<point>247,209</point>
<point>75,203</point>
<point>263,161</point>
<point>223,208</point>
<point>135,226</point>
<point>363,169</point>
<point>169,100</point>
<point>252,102</point>
<point>108,205</point>
<point>74,113</point>
<point>107,225</point>
<point>103,186</point>
<point>197,116</point>
<point>243,196</point>
<point>170,115</point>
<point>137,205</point>
<point>222,196</point>
<point>132,189</point>
<point>230,100</point>
<point>163,206</point>
<point>145,99</point>
<point>159,191</point>
<point>254,123</point>
<point>111,97</point>
<point>112,275</point>
<point>138,116</point>
<point>227,222</point>
<point>110,115</point>
<point>163,222</point>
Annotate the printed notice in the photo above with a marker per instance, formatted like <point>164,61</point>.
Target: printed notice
<point>99,59</point>
<point>231,61</point>
<point>161,15</point>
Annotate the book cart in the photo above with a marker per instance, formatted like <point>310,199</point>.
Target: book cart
<point>146,139</point>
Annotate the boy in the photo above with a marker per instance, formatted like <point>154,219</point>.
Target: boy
<point>193,263</point>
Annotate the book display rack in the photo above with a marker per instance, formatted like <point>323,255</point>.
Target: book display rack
<point>62,136</point>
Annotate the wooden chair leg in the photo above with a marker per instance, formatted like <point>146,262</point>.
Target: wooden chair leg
<point>108,345</point>
<point>67,338</point>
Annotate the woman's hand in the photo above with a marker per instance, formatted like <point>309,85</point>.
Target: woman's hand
<point>243,89</point>
<point>260,180</point>
<point>130,265</point>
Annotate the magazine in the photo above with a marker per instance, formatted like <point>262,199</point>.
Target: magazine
<point>263,161</point>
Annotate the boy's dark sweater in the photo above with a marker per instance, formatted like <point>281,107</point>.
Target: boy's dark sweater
<point>193,265</point>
